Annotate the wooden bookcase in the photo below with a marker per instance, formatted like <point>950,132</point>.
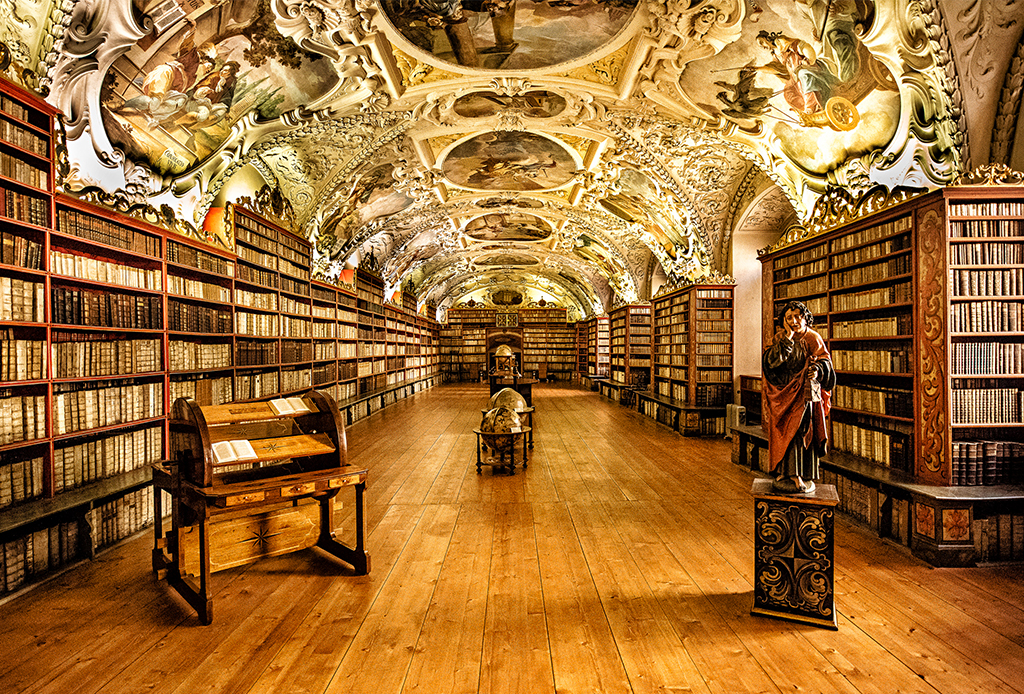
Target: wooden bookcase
<point>582,342</point>
<point>920,303</point>
<point>549,351</point>
<point>629,330</point>
<point>750,398</point>
<point>106,320</point>
<point>598,347</point>
<point>693,358</point>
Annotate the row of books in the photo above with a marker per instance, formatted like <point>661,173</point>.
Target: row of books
<point>293,286</point>
<point>712,395</point>
<point>875,233</point>
<point>890,326</point>
<point>25,208</point>
<point>325,331</point>
<point>816,285</point>
<point>197,289</point>
<point>292,352</point>
<point>873,360</point>
<point>122,517</point>
<point>296,327</point>
<point>254,353</point>
<point>22,137</point>
<point>106,309</point>
<point>717,360</point>
<point>293,306</point>
<point>254,256</point>
<point>24,172</point>
<point>863,274</point>
<point>263,278</point>
<point>986,316</point>
<point>100,270</point>
<point>714,376</point>
<point>21,478</point>
<point>888,449</point>
<point>900,293</point>
<point>93,228</point>
<point>21,359</point>
<point>251,386</point>
<point>78,407</point>
<point>204,389</point>
<point>896,402</point>
<point>196,356</point>
<point>854,497</point>
<point>192,318</point>
<point>986,228</point>
<point>872,252</point>
<point>986,358</point>
<point>794,272</point>
<point>183,254</point>
<point>804,257</point>
<point>23,417</point>
<point>22,300</point>
<point>16,250</point>
<point>99,458</point>
<point>325,350</point>
<point>987,462</point>
<point>986,253</point>
<point>265,301</point>
<point>324,373</point>
<point>988,282</point>
<point>37,553</point>
<point>258,324</point>
<point>986,406</point>
<point>296,379</point>
<point>83,355</point>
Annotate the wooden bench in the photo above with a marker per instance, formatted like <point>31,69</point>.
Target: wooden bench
<point>750,435</point>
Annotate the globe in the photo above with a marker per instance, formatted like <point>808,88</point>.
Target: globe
<point>510,398</point>
<point>496,429</point>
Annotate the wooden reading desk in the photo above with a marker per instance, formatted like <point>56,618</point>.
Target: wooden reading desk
<point>228,512</point>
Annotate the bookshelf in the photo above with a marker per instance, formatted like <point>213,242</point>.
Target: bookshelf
<point>692,356</point>
<point>549,344</point>
<point>598,347</point>
<point>105,320</point>
<point>750,397</point>
<point>582,342</point>
<point>918,302</point>
<point>629,331</point>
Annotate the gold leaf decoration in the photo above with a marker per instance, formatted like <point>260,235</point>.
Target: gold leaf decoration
<point>603,71</point>
<point>414,72</point>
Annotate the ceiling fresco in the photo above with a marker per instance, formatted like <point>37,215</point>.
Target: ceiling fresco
<point>582,153</point>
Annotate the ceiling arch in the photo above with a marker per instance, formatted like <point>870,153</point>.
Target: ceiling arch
<point>447,143</point>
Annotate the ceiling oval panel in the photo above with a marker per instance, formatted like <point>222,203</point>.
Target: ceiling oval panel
<point>508,227</point>
<point>484,104</point>
<point>508,260</point>
<point>507,34</point>
<point>509,161</point>
<point>174,100</point>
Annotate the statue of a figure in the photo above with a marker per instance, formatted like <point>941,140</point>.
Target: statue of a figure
<point>797,383</point>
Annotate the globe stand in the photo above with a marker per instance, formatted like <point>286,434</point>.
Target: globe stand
<point>506,458</point>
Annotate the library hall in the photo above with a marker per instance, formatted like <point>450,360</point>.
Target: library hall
<point>399,347</point>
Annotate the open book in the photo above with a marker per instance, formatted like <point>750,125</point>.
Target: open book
<point>288,406</point>
<point>230,451</point>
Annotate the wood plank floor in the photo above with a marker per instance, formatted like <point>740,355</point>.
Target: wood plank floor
<point>618,562</point>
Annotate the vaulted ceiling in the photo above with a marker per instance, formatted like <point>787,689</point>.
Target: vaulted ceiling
<point>575,152</point>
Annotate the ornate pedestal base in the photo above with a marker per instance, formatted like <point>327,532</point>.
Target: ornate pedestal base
<point>794,555</point>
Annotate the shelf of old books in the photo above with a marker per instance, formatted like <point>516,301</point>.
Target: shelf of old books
<point>598,354</point>
<point>630,345</point>
<point>923,323</point>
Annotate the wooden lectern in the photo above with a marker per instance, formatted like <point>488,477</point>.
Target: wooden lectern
<point>232,504</point>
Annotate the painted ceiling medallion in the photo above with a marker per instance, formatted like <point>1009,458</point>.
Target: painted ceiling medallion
<point>514,161</point>
<point>507,34</point>
<point>535,104</point>
<point>507,259</point>
<point>508,227</point>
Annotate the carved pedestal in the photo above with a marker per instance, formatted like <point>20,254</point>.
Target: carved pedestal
<point>794,554</point>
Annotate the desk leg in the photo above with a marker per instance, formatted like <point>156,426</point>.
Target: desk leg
<point>357,557</point>
<point>525,459</point>
<point>479,462</point>
<point>530,424</point>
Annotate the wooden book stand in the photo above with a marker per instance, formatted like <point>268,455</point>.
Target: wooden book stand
<point>226,513</point>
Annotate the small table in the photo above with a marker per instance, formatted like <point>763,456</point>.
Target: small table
<point>523,386</point>
<point>529,421</point>
<point>509,464</point>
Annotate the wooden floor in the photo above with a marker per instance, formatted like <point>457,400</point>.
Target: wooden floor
<point>619,561</point>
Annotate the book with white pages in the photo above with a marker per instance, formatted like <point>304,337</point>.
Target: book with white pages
<point>232,451</point>
<point>290,406</point>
